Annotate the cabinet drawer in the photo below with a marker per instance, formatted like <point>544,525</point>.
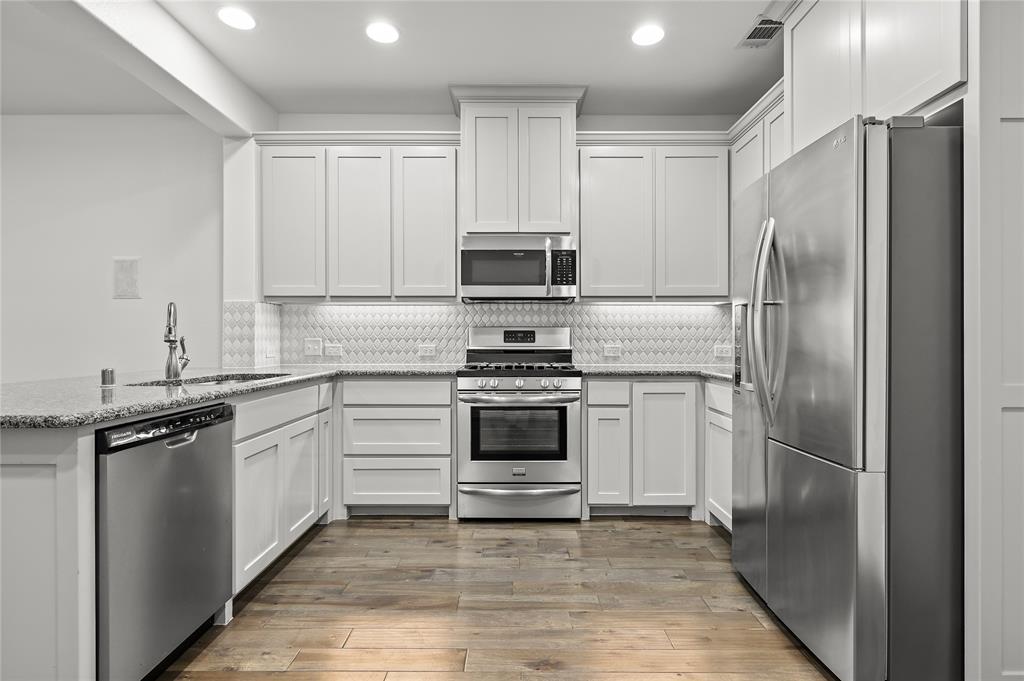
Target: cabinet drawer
<point>608,393</point>
<point>718,397</point>
<point>391,481</point>
<point>265,413</point>
<point>397,430</point>
<point>397,392</point>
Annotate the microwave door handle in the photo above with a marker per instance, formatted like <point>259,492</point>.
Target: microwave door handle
<point>547,265</point>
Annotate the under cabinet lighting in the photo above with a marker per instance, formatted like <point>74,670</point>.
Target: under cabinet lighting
<point>382,32</point>
<point>648,34</point>
<point>236,17</point>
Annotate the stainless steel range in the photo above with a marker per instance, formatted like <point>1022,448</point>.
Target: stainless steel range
<point>519,425</point>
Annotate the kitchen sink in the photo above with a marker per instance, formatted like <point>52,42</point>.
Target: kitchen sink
<point>218,379</point>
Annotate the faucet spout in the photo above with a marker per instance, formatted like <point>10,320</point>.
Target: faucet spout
<point>171,327</point>
<point>174,365</point>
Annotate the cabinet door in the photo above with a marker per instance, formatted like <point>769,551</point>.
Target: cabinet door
<point>822,67</point>
<point>747,165</point>
<point>424,431</point>
<point>691,221</point>
<point>547,168</point>
<point>300,491</point>
<point>397,481</point>
<point>258,536</point>
<point>608,460</point>
<point>718,466</point>
<point>664,444</point>
<point>359,220</point>
<point>913,51</point>
<point>489,185</point>
<point>325,463</point>
<point>616,221</point>
<point>423,213</point>
<point>776,136</point>
<point>293,222</point>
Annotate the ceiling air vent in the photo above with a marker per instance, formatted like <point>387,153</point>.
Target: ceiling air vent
<point>761,33</point>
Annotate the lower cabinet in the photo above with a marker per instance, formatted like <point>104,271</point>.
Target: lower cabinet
<point>718,466</point>
<point>641,443</point>
<point>325,463</point>
<point>423,481</point>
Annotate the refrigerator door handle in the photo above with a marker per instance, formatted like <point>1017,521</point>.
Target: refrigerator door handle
<point>755,356</point>
<point>757,299</point>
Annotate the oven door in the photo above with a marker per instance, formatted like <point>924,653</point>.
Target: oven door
<point>519,437</point>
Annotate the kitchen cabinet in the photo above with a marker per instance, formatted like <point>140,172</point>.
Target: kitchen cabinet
<point>518,171</point>
<point>359,221</point>
<point>257,511</point>
<point>300,461</point>
<point>608,455</point>
<point>293,221</point>
<point>617,215</point>
<point>747,165</point>
<point>691,221</point>
<point>718,452</point>
<point>776,137</point>
<point>325,463</point>
<point>423,218</point>
<point>384,481</point>
<point>664,444</point>
<point>397,430</point>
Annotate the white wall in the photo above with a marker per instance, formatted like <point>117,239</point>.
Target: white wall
<point>449,122</point>
<point>78,190</point>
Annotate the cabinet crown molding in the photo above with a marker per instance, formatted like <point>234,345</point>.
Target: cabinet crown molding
<point>755,113</point>
<point>462,94</point>
<point>439,138</point>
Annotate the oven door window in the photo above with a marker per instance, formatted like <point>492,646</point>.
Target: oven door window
<point>504,268</point>
<point>518,434</point>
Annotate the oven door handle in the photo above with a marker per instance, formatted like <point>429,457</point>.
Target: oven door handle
<point>523,400</point>
<point>545,492</point>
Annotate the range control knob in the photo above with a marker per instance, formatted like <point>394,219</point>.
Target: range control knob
<point>481,382</point>
<point>558,383</point>
<point>519,383</point>
<point>494,383</point>
<point>544,383</point>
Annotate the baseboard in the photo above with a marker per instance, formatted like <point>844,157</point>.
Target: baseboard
<point>666,511</point>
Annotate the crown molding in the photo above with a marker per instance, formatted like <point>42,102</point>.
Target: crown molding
<point>625,138</point>
<point>755,113</point>
<point>461,94</point>
<point>436,138</point>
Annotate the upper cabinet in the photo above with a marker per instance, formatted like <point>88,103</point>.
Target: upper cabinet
<point>763,146</point>
<point>519,170</point>
<point>881,59</point>
<point>654,221</point>
<point>294,225</point>
<point>358,221</point>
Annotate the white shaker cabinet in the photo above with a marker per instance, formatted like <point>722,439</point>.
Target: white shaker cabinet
<point>359,221</point>
<point>608,455</point>
<point>747,164</point>
<point>691,221</point>
<point>423,216</point>
<point>664,444</point>
<point>258,473</point>
<point>325,463</point>
<point>776,136</point>
<point>617,212</point>
<point>518,171</point>
<point>300,460</point>
<point>293,221</point>
<point>718,452</point>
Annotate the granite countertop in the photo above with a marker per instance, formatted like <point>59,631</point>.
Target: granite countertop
<point>72,402</point>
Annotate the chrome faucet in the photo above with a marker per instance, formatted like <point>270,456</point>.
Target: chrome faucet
<point>174,366</point>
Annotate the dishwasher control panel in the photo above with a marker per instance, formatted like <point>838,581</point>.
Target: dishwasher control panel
<point>131,434</point>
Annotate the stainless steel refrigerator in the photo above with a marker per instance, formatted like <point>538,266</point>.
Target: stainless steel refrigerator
<point>848,398</point>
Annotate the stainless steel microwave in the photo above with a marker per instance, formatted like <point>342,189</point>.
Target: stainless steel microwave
<point>506,267</point>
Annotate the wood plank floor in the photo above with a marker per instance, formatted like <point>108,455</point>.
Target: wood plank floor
<point>432,600</point>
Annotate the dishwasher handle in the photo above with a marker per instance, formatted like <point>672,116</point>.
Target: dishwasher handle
<point>177,430</point>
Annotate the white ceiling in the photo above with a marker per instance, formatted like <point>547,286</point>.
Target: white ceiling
<point>45,71</point>
<point>314,57</point>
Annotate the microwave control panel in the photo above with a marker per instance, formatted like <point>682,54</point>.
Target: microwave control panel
<point>563,266</point>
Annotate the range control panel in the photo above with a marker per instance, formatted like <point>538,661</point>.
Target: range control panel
<point>520,336</point>
<point>563,266</point>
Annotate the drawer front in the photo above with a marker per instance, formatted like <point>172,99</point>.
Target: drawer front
<point>391,481</point>
<point>397,392</point>
<point>718,397</point>
<point>265,413</point>
<point>383,431</point>
<point>608,393</point>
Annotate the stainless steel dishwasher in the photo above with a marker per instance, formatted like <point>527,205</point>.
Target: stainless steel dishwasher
<point>163,535</point>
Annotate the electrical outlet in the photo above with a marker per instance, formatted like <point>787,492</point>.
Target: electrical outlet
<point>613,349</point>
<point>723,350</point>
<point>332,349</point>
<point>313,347</point>
<point>427,350</point>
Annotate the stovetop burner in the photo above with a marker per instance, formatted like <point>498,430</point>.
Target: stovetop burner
<point>540,352</point>
<point>519,368</point>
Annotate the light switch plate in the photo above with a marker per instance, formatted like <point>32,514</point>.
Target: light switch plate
<point>613,349</point>
<point>332,349</point>
<point>313,347</point>
<point>723,350</point>
<point>427,350</point>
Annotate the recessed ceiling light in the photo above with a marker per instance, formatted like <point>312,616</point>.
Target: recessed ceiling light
<point>236,17</point>
<point>648,34</point>
<point>382,32</point>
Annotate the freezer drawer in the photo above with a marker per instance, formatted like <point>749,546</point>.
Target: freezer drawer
<point>826,560</point>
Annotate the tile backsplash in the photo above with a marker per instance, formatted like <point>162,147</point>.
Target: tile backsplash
<point>252,334</point>
<point>391,333</point>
